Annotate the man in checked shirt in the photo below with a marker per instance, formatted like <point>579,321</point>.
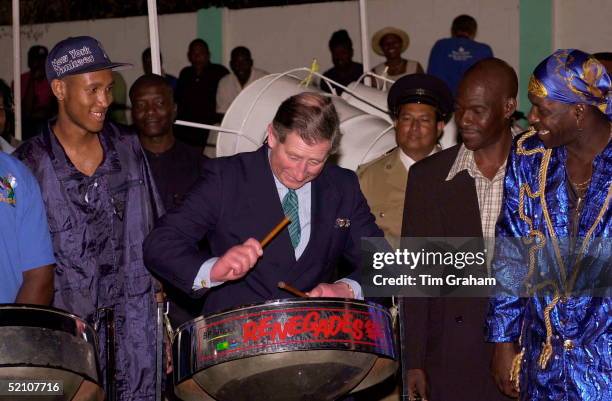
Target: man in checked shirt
<point>458,193</point>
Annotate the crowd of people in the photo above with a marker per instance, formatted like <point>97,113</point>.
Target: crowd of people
<point>105,216</point>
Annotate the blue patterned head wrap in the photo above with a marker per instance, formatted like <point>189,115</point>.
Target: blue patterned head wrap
<point>574,77</point>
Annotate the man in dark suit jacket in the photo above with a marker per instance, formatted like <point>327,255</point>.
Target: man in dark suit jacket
<point>240,198</point>
<point>443,349</point>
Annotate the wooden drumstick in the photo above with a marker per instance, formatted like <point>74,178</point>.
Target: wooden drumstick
<point>284,286</point>
<point>275,231</point>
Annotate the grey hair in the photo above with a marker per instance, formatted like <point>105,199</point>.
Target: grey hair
<point>312,116</point>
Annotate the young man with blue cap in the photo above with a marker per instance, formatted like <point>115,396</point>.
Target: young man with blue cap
<point>100,203</point>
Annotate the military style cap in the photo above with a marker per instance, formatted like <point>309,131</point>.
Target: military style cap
<point>421,88</point>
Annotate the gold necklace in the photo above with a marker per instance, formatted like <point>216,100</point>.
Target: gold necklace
<point>582,187</point>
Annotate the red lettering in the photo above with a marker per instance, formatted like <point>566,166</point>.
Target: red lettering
<point>249,332</point>
<point>336,324</point>
<point>278,331</point>
<point>346,324</point>
<point>357,329</point>
<point>322,327</point>
<point>343,326</point>
<point>264,328</point>
<point>293,326</point>
<point>310,321</point>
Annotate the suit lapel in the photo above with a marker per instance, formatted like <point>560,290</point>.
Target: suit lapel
<point>266,211</point>
<point>461,214</point>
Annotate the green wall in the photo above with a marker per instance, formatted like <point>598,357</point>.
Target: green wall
<point>536,30</point>
<point>210,28</point>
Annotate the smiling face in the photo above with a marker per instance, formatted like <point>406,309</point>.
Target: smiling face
<point>554,121</point>
<point>391,46</point>
<point>295,162</point>
<point>153,110</point>
<point>85,98</point>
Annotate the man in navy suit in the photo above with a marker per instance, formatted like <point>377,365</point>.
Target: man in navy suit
<point>240,198</point>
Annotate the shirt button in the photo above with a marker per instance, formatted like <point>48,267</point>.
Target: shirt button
<point>381,214</point>
<point>568,345</point>
<point>459,319</point>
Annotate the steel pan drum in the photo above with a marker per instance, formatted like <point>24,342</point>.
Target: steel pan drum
<point>284,350</point>
<point>45,344</point>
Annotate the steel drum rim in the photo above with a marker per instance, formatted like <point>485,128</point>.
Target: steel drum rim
<point>64,323</point>
<point>52,309</point>
<point>344,301</point>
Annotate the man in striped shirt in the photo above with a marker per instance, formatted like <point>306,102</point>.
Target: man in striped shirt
<point>458,193</point>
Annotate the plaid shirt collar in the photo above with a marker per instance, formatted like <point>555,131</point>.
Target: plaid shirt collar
<point>465,161</point>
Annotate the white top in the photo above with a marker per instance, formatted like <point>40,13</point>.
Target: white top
<point>411,68</point>
<point>229,88</point>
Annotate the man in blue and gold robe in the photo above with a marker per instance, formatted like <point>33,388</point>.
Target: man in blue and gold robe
<point>551,315</point>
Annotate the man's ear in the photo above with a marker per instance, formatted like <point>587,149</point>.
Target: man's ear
<point>271,137</point>
<point>440,127</point>
<point>509,107</point>
<point>58,87</point>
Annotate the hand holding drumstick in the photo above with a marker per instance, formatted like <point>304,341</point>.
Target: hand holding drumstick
<point>240,259</point>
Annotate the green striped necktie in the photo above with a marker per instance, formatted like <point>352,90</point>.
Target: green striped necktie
<point>290,207</point>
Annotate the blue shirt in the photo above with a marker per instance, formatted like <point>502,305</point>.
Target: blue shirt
<point>451,57</point>
<point>24,233</point>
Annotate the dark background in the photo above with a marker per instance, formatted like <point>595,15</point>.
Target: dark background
<point>44,11</point>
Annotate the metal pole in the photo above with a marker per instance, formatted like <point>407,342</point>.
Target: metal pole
<point>17,69</point>
<point>154,37</point>
<point>156,69</point>
<point>109,334</point>
<point>363,21</point>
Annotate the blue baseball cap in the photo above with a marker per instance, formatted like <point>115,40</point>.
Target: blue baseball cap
<point>78,55</point>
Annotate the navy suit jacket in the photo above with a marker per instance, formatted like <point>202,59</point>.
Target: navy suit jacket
<point>236,198</point>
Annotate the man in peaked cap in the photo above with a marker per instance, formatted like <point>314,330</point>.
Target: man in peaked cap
<point>458,193</point>
<point>420,106</point>
<point>100,205</point>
